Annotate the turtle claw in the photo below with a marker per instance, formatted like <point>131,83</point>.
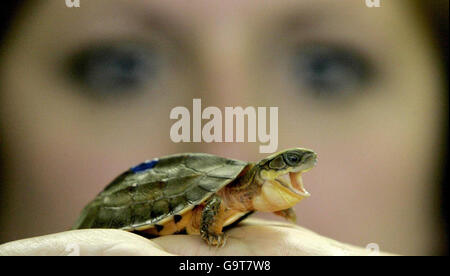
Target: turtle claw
<point>288,214</point>
<point>292,218</point>
<point>217,240</point>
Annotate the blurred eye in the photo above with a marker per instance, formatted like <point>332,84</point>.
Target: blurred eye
<point>330,71</point>
<point>114,69</point>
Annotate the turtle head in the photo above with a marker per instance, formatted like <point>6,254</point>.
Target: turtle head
<point>280,178</point>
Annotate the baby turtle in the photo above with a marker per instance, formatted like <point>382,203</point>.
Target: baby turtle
<point>199,193</point>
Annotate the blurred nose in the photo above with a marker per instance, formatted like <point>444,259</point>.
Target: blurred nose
<point>226,65</point>
<point>226,79</point>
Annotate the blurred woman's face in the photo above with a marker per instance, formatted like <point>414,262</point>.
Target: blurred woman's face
<point>87,92</point>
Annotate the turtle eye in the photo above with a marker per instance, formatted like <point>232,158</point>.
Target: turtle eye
<point>292,159</point>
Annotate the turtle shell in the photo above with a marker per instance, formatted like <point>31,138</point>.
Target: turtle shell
<point>156,190</point>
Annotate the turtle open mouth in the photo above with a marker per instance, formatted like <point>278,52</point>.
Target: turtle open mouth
<point>294,182</point>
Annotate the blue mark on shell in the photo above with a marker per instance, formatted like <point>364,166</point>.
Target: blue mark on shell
<point>144,166</point>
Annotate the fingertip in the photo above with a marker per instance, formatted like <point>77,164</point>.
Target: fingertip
<point>85,242</point>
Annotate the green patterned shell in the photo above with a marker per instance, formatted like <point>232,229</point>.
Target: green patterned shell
<point>156,190</point>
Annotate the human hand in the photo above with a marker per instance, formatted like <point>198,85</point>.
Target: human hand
<point>250,237</point>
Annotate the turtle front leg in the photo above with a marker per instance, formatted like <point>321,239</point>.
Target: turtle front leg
<point>212,221</point>
<point>288,214</point>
